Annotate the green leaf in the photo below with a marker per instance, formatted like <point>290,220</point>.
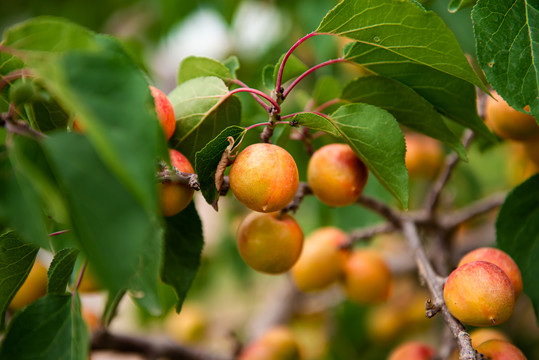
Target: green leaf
<point>402,28</point>
<point>233,64</point>
<point>109,222</point>
<point>326,89</point>
<point>507,42</point>
<point>209,157</point>
<point>60,270</point>
<point>50,328</point>
<point>293,68</point>
<point>517,233</point>
<point>20,204</point>
<point>456,5</point>
<point>375,137</point>
<point>203,109</point>
<point>16,260</point>
<point>197,66</point>
<point>408,107</point>
<point>183,247</point>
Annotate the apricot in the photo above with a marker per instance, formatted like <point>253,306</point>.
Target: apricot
<point>336,175</point>
<point>189,326</point>
<point>507,122</point>
<point>278,343</point>
<point>321,261</point>
<point>531,149</point>
<point>89,282</point>
<point>424,156</point>
<point>264,177</point>
<point>500,350</point>
<point>270,242</point>
<point>165,112</point>
<point>481,335</point>
<point>175,197</point>
<point>34,287</point>
<point>412,350</point>
<point>367,279</point>
<point>479,293</point>
<point>500,259</point>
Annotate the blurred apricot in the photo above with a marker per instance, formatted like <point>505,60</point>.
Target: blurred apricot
<point>34,287</point>
<point>424,156</point>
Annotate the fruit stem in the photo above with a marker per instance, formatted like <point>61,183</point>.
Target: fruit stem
<point>327,104</point>
<point>59,232</point>
<point>316,67</point>
<point>257,98</point>
<point>79,277</point>
<point>267,124</point>
<point>260,93</point>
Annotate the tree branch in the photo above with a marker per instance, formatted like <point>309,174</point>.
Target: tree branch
<point>477,208</point>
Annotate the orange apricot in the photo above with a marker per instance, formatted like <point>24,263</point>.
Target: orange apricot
<point>507,122</point>
<point>321,261</point>
<point>278,343</point>
<point>479,293</point>
<point>412,350</point>
<point>500,350</point>
<point>165,112</point>
<point>264,177</point>
<point>424,156</point>
<point>34,287</point>
<point>336,175</point>
<point>175,197</point>
<point>500,259</point>
<point>367,278</point>
<point>270,242</point>
<point>482,335</point>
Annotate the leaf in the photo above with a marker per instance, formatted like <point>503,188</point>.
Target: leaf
<point>203,109</point>
<point>517,233</point>
<point>60,270</point>
<point>20,205</point>
<point>16,260</point>
<point>408,107</point>
<point>107,219</point>
<point>456,5</point>
<point>233,64</point>
<point>402,41</point>
<point>507,42</point>
<point>50,328</point>
<point>197,66</point>
<point>326,89</point>
<point>209,157</point>
<point>183,247</point>
<point>293,68</point>
<point>375,137</point>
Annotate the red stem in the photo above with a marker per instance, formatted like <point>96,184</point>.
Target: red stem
<point>327,104</point>
<point>59,232</point>
<point>266,124</point>
<point>258,92</point>
<point>81,274</point>
<point>257,98</point>
<point>325,63</point>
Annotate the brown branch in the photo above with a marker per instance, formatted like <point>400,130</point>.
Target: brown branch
<point>150,348</point>
<point>303,190</point>
<point>18,127</point>
<point>477,208</point>
<point>167,174</point>
<point>435,284</point>
<point>382,209</point>
<point>367,233</point>
<point>450,162</point>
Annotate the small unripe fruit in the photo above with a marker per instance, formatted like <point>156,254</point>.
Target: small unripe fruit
<point>509,123</point>
<point>367,279</point>
<point>412,350</point>
<point>336,175</point>
<point>321,261</point>
<point>479,294</point>
<point>22,91</point>
<point>165,112</point>
<point>270,243</point>
<point>278,343</point>
<point>264,177</point>
<point>175,197</point>
<point>34,287</point>
<point>500,350</point>
<point>424,156</point>
<point>500,259</point>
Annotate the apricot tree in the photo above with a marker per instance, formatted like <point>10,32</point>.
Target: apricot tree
<point>116,194</point>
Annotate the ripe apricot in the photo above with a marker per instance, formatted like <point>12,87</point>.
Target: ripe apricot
<point>482,335</point>
<point>270,242</point>
<point>507,122</point>
<point>500,350</point>
<point>412,350</point>
<point>278,343</point>
<point>34,287</point>
<point>367,279</point>
<point>89,282</point>
<point>189,326</point>
<point>175,197</point>
<point>264,177</point>
<point>321,261</point>
<point>424,156</point>
<point>165,112</point>
<point>336,175</point>
<point>500,259</point>
<point>479,293</point>
<point>531,149</point>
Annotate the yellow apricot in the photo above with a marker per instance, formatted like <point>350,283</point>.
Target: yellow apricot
<point>479,293</point>
<point>264,177</point>
<point>336,175</point>
<point>500,350</point>
<point>270,242</point>
<point>278,343</point>
<point>412,350</point>
<point>175,197</point>
<point>424,156</point>
<point>321,261</point>
<point>367,279</point>
<point>34,287</point>
<point>189,326</point>
<point>482,335</point>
